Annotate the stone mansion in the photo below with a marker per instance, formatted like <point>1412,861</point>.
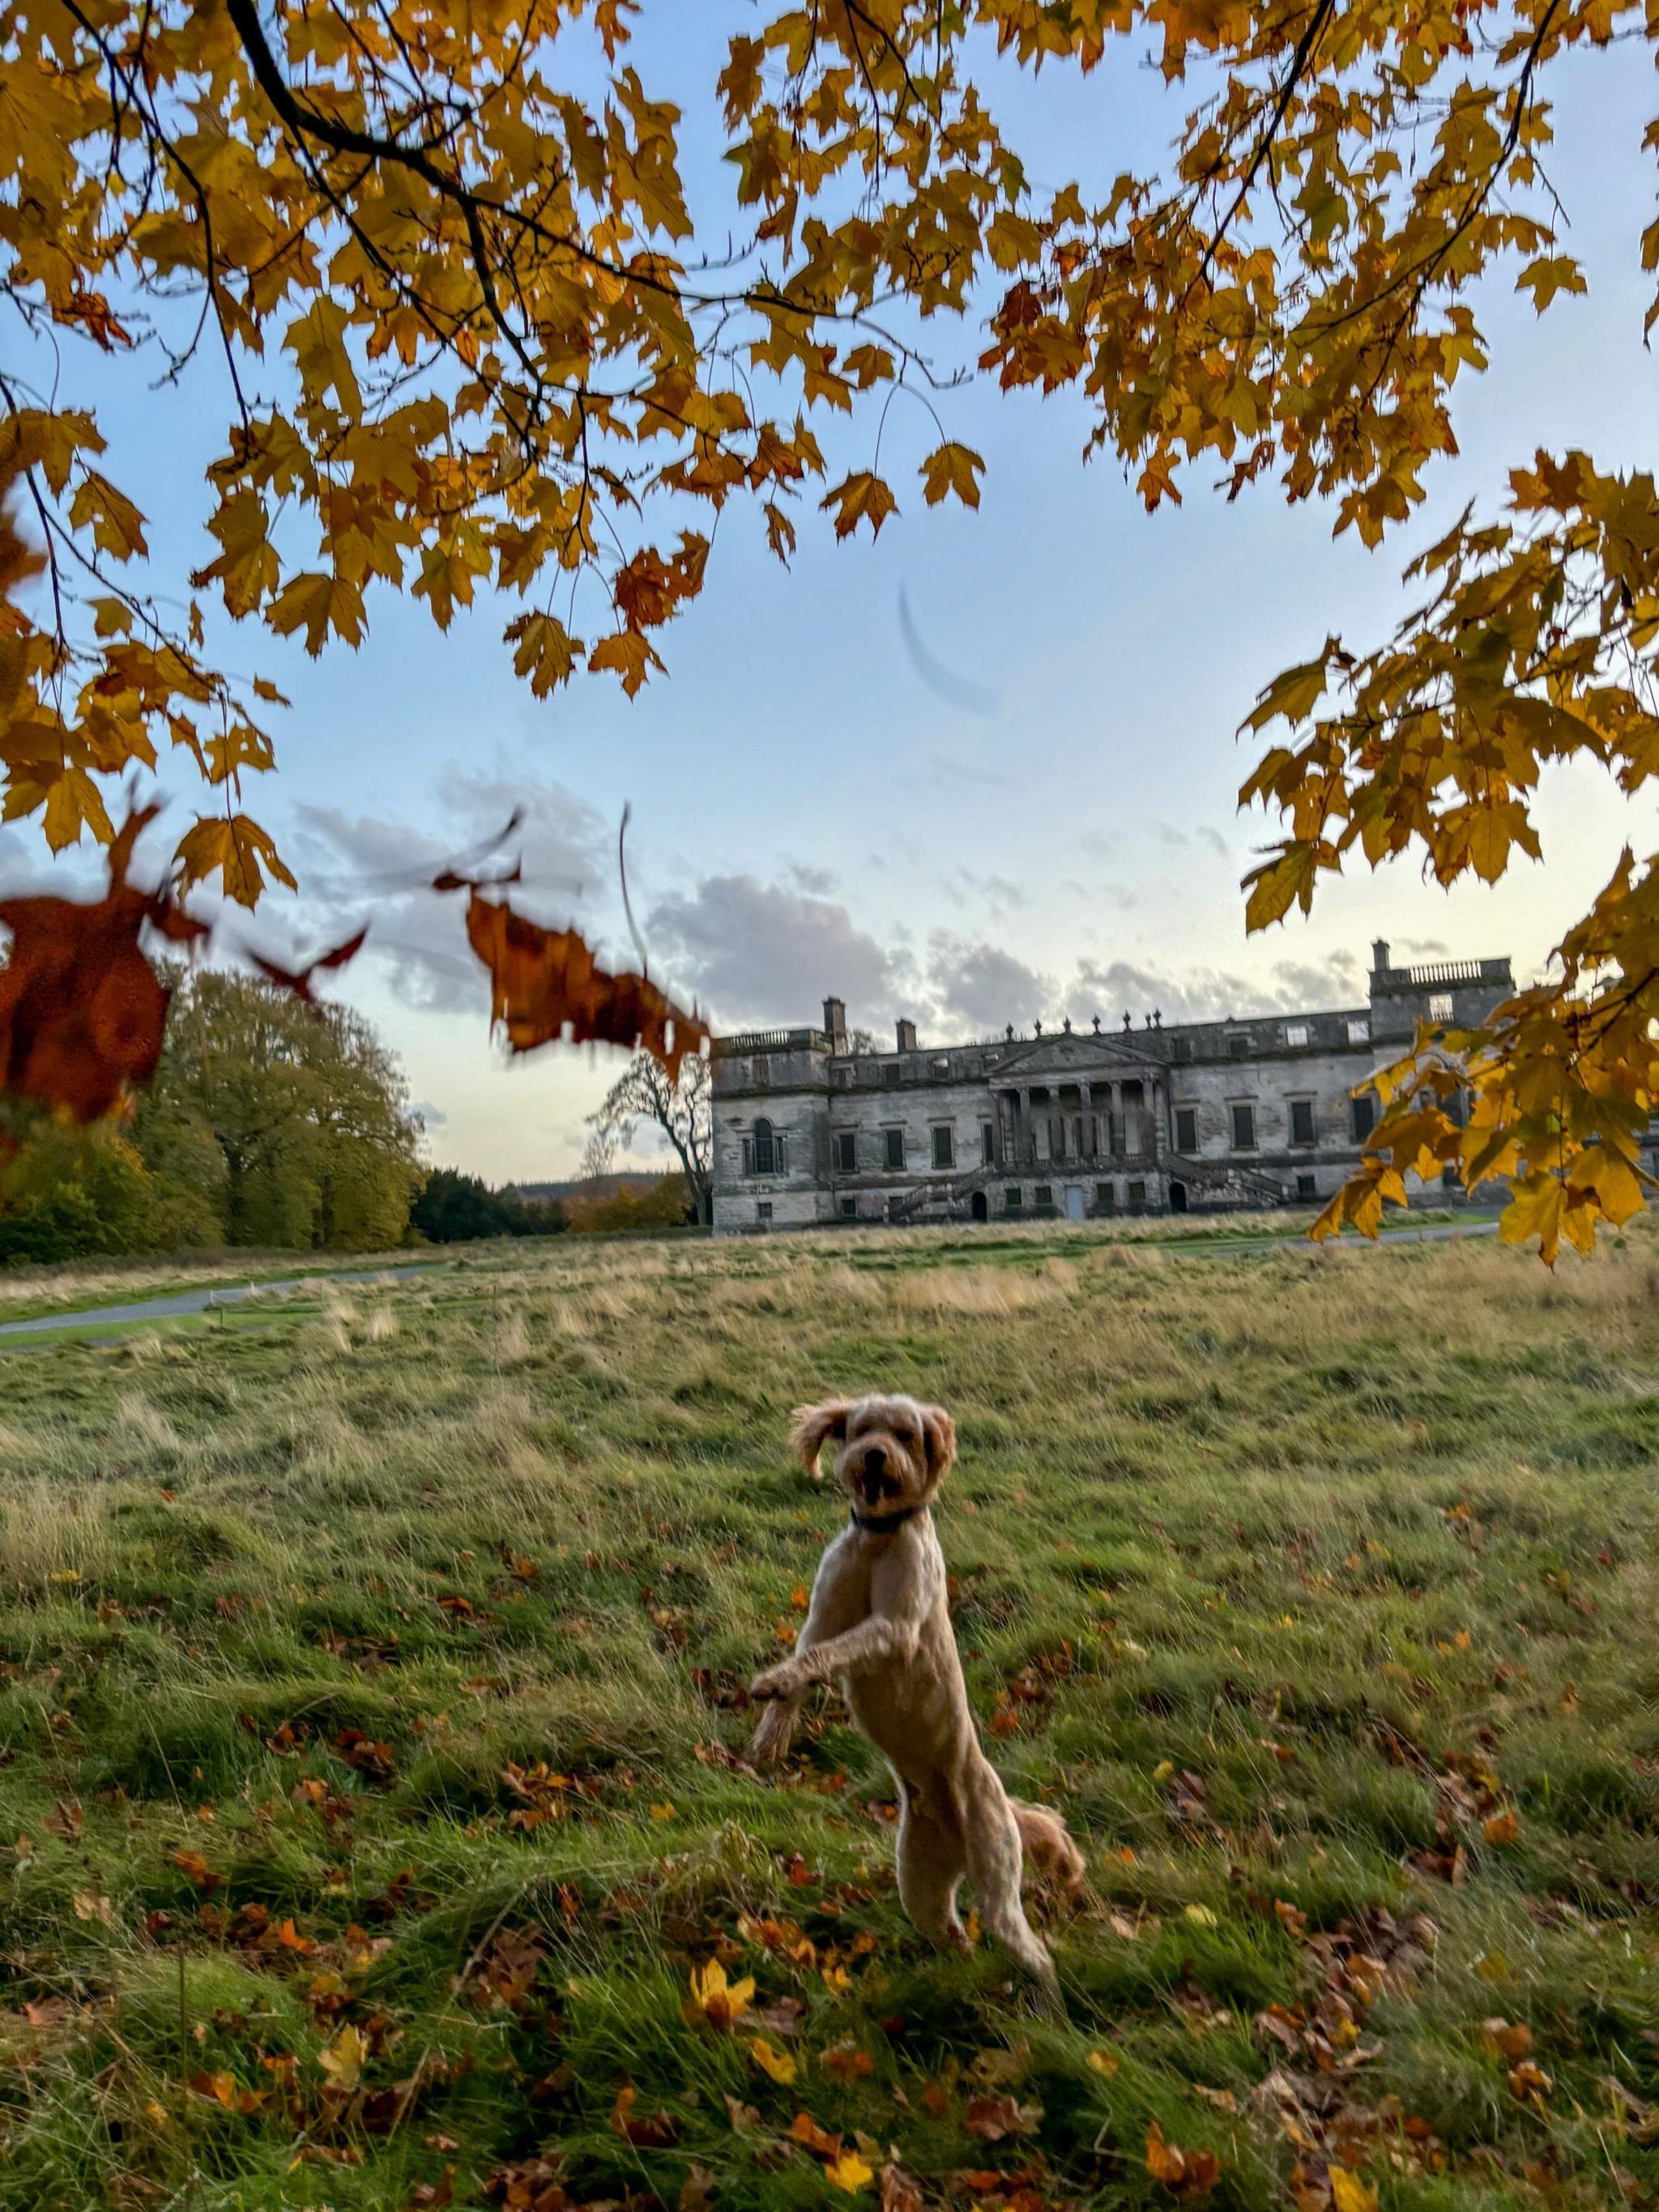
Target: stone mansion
<point>1263,1110</point>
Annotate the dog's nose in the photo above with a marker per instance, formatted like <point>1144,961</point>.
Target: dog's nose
<point>875,1460</point>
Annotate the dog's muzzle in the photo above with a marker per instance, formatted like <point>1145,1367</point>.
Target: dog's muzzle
<point>874,1481</point>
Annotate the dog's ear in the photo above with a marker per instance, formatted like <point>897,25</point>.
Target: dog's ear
<point>810,1428</point>
<point>940,1431</point>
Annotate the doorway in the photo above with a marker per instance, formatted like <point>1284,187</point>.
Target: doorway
<point>1074,1206</point>
<point>1177,1198</point>
<point>981,1206</point>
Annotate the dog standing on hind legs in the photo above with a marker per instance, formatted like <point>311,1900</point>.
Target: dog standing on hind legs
<point>879,1620</point>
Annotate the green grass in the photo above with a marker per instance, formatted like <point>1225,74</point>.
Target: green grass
<point>1321,1596</point>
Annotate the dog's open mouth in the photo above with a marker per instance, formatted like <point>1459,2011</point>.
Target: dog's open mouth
<point>874,1485</point>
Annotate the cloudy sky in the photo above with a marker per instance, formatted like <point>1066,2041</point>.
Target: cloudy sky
<point>980,772</point>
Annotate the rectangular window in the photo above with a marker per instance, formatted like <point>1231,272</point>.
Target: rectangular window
<point>847,1152</point>
<point>1302,1121</point>
<point>1043,1194</point>
<point>1012,1199</point>
<point>895,1139</point>
<point>945,1148</point>
<point>1077,1136</point>
<point>1243,1128</point>
<point>849,1209</point>
<point>1137,1198</point>
<point>762,1209</point>
<point>1105,1197</point>
<point>842,1078</point>
<point>1362,1112</point>
<point>748,1155</point>
<point>890,1074</point>
<point>1239,1047</point>
<point>1296,1035</point>
<point>1359,1030</point>
<point>1307,1186</point>
<point>1186,1128</point>
<point>987,1141</point>
<point>1181,1047</point>
<point>1441,1009</point>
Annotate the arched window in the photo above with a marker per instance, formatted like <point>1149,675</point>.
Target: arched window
<point>766,1150</point>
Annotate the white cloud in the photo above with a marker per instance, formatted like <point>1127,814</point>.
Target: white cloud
<point>379,869</point>
<point>981,989</point>
<point>756,952</point>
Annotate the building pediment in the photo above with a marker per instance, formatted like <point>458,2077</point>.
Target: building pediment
<point>1067,1057</point>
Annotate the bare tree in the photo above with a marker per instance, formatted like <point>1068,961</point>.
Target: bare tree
<point>643,1092</point>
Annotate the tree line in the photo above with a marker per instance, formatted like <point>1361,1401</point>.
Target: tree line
<point>277,1124</point>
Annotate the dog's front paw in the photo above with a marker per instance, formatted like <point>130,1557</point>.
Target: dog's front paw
<point>777,1725</point>
<point>787,1681</point>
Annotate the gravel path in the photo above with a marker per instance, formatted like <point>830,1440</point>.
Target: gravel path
<point>193,1301</point>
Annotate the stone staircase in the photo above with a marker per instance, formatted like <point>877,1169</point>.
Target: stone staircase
<point>1222,1182</point>
<point>952,1193</point>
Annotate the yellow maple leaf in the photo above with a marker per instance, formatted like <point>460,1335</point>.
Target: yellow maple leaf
<point>861,497</point>
<point>951,468</point>
<point>235,848</point>
<point>849,2171</point>
<point>317,604</point>
<point>1350,2192</point>
<point>317,341</point>
<point>1534,1210</point>
<point>343,2059</point>
<point>117,526</point>
<point>720,2001</point>
<point>546,652</point>
<point>770,2060</point>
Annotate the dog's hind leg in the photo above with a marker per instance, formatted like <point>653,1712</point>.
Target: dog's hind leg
<point>991,1836</point>
<point>931,1865</point>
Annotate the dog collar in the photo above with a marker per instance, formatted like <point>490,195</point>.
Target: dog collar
<point>882,1524</point>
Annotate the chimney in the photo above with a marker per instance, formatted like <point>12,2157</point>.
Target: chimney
<point>1380,956</point>
<point>834,1024</point>
<point>907,1036</point>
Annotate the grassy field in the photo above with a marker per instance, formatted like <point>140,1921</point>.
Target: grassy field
<point>373,1794</point>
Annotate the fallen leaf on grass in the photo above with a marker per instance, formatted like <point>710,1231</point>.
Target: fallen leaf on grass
<point>803,2128</point>
<point>1502,1828</point>
<point>992,2118</point>
<point>1192,2172</point>
<point>849,2171</point>
<point>698,2189</point>
<point>1506,2039</point>
<point>900,2192</point>
<point>1103,2064</point>
<point>343,2059</point>
<point>650,2132</point>
<point>715,1999</point>
<point>770,2060</point>
<point>1350,2192</point>
<point>89,1905</point>
<point>1529,2081</point>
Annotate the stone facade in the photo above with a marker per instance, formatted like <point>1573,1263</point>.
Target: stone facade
<point>1265,1110</point>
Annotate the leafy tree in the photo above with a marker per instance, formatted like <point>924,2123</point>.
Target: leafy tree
<point>508,347</point>
<point>66,1193</point>
<point>665,1204</point>
<point>644,1093</point>
<point>452,1208</point>
<point>295,1118</point>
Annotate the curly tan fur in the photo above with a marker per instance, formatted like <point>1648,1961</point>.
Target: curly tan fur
<point>879,1621</point>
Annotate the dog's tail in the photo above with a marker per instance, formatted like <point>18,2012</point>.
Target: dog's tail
<point>1050,1853</point>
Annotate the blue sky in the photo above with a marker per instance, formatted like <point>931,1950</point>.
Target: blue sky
<point>1059,834</point>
